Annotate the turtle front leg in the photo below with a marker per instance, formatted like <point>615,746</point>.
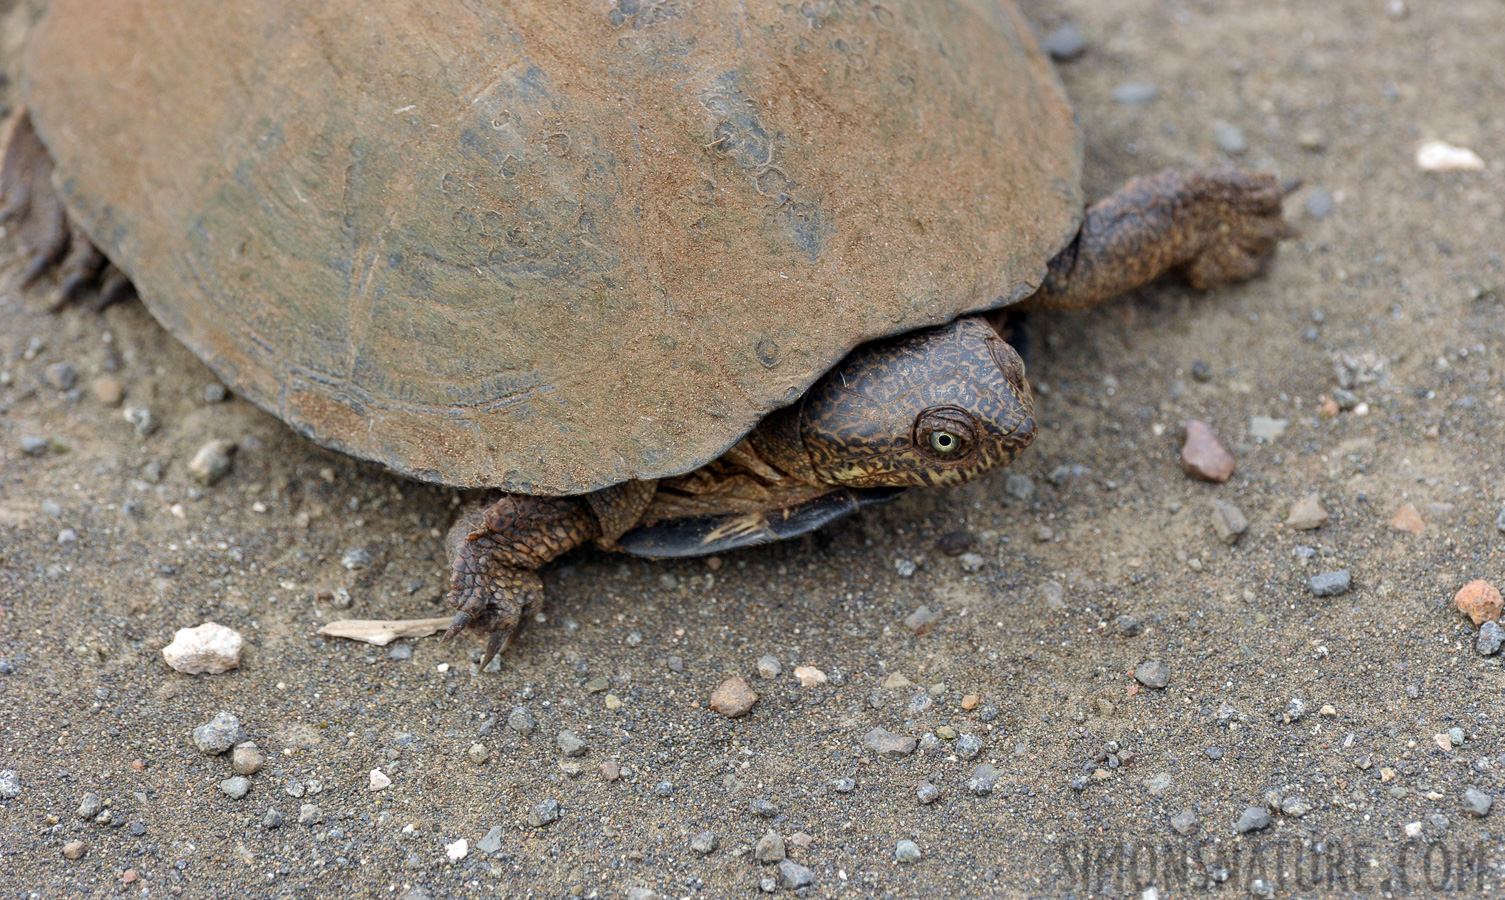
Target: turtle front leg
<point>495,587</point>
<point>1213,227</point>
<point>45,234</point>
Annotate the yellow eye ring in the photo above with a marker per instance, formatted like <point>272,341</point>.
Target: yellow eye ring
<point>944,442</point>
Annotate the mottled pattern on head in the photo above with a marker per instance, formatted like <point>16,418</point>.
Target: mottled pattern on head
<point>930,408</point>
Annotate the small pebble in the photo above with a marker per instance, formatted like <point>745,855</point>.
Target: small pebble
<point>401,652</point>
<point>74,849</point>
<point>272,819</point>
<point>928,793</point>
<point>543,813</point>
<point>89,806</point>
<point>61,376</point>
<point>520,720</point>
<point>809,676</point>
<point>1477,803</point>
<point>309,814</point>
<point>32,445</point>
<point>379,780</point>
<point>1184,822</point>
<point>1491,636</point>
<point>794,876</point>
<point>212,461</point>
<point>1307,514</point>
<point>236,787</point>
<point>769,667</point>
<point>570,744</point>
<point>1319,205</point>
<point>214,392</point>
<point>209,649</point>
<point>1153,674</point>
<point>1019,486</point>
<point>664,788</point>
<point>704,843</point>
<point>1228,522</point>
<point>218,734</point>
<point>1295,711</point>
<point>955,543</point>
<point>247,759</point>
<point>1264,428</point>
<point>1408,519</point>
<point>887,744</point>
<point>1253,818</point>
<point>492,842</point>
<point>356,558</point>
<point>769,849</point>
<point>107,390</point>
<point>1480,601</point>
<point>763,808</point>
<point>458,850</point>
<point>141,419</point>
<point>610,770</point>
<point>1065,43</point>
<point>1440,156</point>
<point>733,698</point>
<point>1230,138</point>
<point>907,852</point>
<point>479,754</point>
<point>10,785</point>
<point>844,785</point>
<point>971,562</point>
<point>922,619</point>
<point>905,567</point>
<point>984,777</point>
<point>968,746</point>
<point>1135,93</point>
<point>1330,584</point>
<point>1500,521</point>
<point>1203,456</point>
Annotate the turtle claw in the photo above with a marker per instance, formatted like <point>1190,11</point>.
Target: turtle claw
<point>497,643</point>
<point>461,622</point>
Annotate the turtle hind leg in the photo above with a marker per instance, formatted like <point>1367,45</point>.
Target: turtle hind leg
<point>1213,227</point>
<point>45,235</point>
<point>495,588</point>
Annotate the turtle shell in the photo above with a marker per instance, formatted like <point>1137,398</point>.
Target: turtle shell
<point>552,245</point>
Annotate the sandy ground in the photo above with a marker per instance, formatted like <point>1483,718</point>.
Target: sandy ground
<point>107,547</point>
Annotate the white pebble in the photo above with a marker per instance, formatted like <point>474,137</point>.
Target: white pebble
<point>379,780</point>
<point>809,676</point>
<point>1440,156</point>
<point>458,850</point>
<point>210,648</point>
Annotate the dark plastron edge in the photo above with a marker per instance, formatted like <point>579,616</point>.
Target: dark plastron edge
<point>717,534</point>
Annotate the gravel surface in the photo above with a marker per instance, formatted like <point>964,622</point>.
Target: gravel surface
<point>1376,338</point>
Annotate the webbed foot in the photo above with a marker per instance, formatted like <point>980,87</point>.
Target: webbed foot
<point>1213,227</point>
<point>494,588</point>
<point>45,235</point>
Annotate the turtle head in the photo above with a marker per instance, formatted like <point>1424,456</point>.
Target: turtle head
<point>934,407</point>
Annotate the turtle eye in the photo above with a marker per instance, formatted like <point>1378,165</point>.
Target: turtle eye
<point>944,442</point>
<point>945,433</point>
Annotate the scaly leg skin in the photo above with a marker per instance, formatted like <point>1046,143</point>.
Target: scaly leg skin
<point>1213,227</point>
<point>495,588</point>
<point>44,233</point>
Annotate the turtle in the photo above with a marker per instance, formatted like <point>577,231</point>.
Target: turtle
<point>672,277</point>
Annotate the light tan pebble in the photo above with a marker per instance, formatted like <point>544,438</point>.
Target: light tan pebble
<point>1408,519</point>
<point>610,771</point>
<point>107,390</point>
<point>247,759</point>
<point>1307,514</point>
<point>809,676</point>
<point>379,780</point>
<point>1440,156</point>
<point>896,681</point>
<point>970,702</point>
<point>74,849</point>
<point>212,461</point>
<point>1328,711</point>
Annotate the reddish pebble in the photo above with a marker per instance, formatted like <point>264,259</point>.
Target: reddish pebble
<point>138,765</point>
<point>1203,456</point>
<point>1408,519</point>
<point>610,771</point>
<point>733,698</point>
<point>73,849</point>
<point>128,876</point>
<point>1480,601</point>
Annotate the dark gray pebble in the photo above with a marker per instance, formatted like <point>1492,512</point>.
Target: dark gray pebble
<point>1253,818</point>
<point>704,843</point>
<point>1153,674</point>
<point>984,777</point>
<point>928,793</point>
<point>762,808</point>
<point>273,818</point>
<point>844,785</point>
<point>794,876</point>
<point>1477,803</point>
<point>219,734</point>
<point>492,842</point>
<point>569,743</point>
<point>1491,635</point>
<point>1331,584</point>
<point>968,746</point>
<point>89,806</point>
<point>664,788</point>
<point>543,813</point>
<point>955,543</point>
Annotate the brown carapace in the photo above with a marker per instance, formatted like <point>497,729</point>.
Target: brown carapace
<point>678,282</point>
